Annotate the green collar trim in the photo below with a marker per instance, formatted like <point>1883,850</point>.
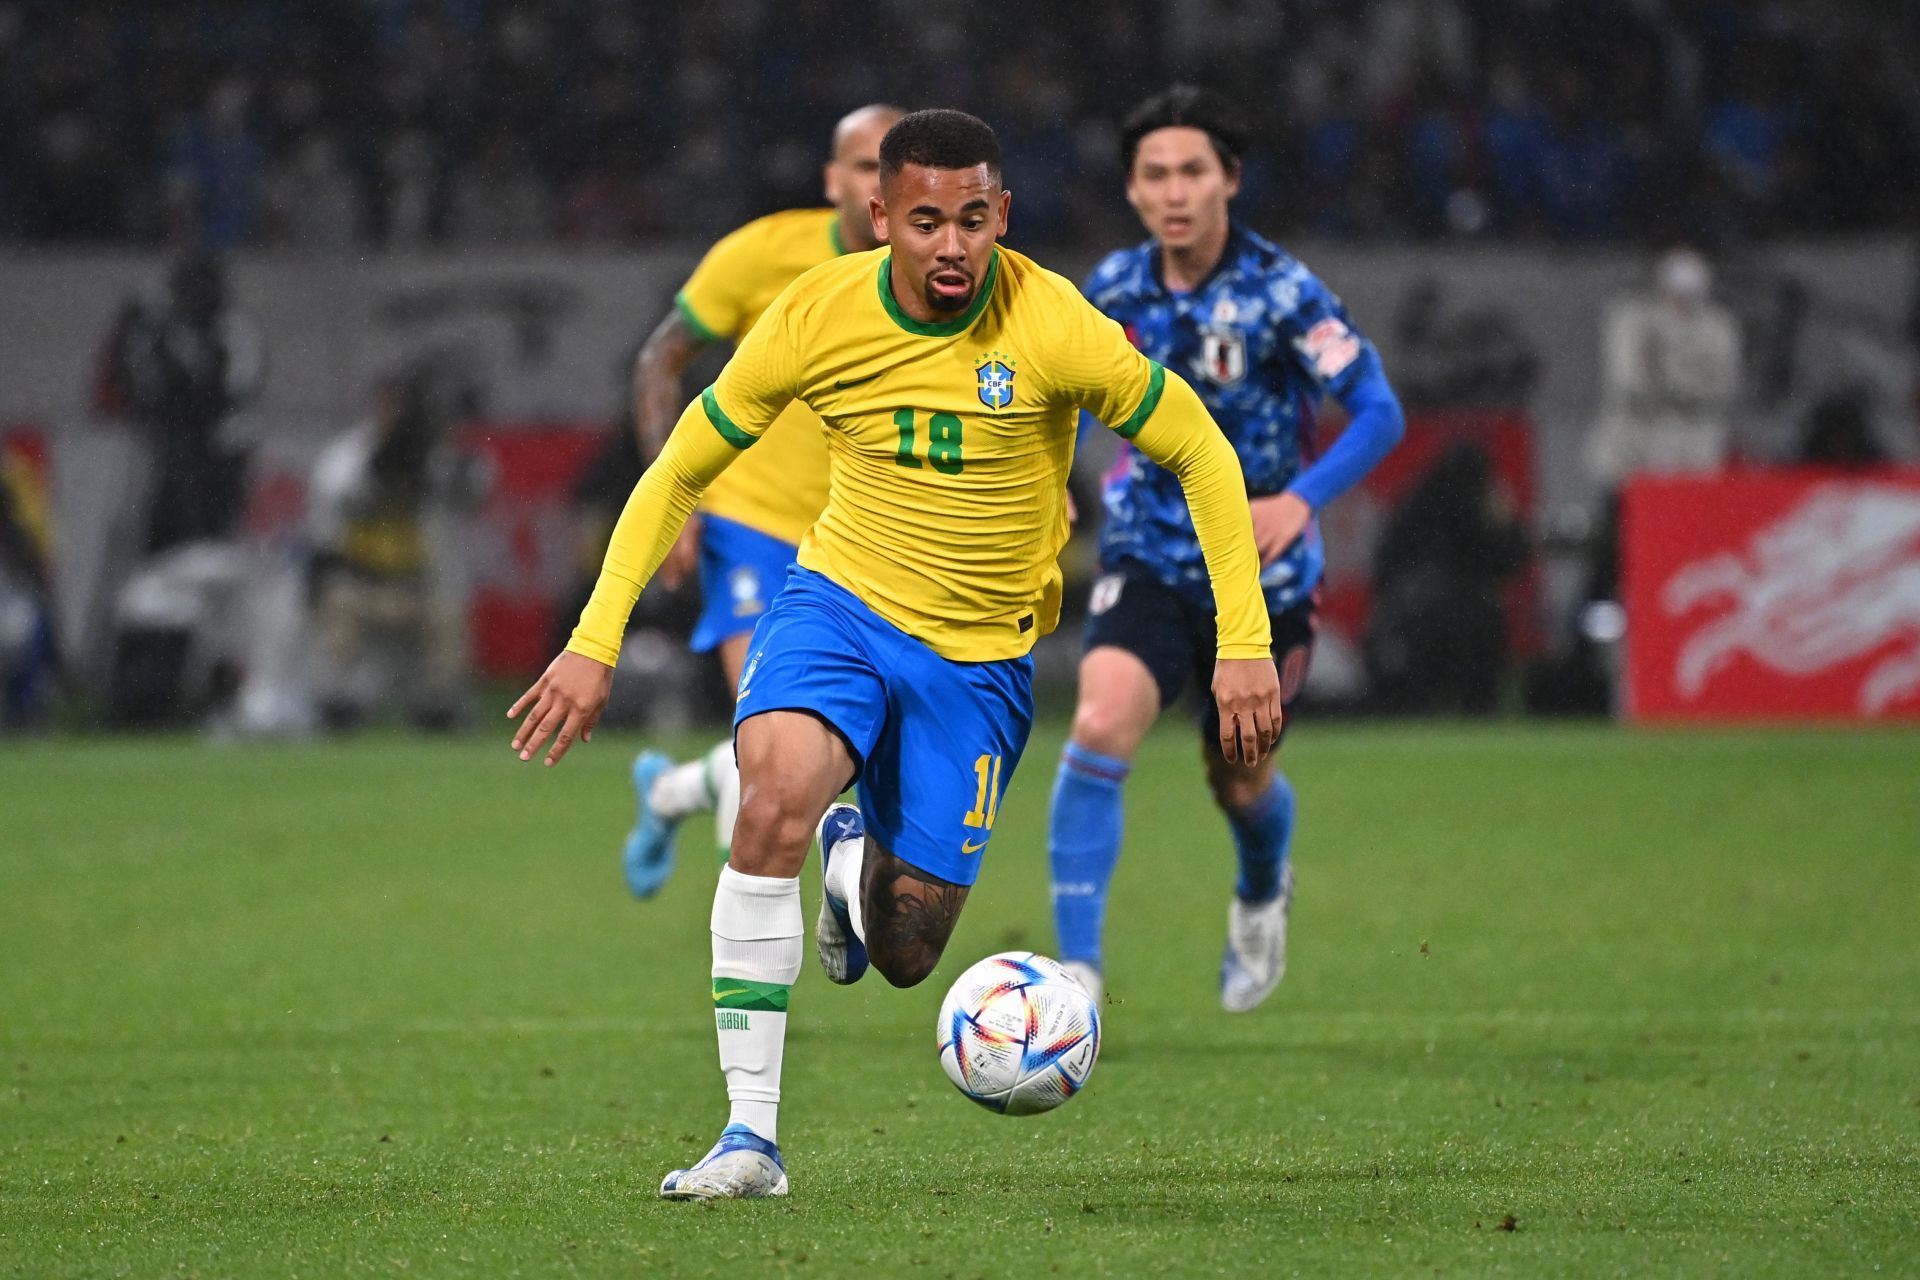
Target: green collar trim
<point>834,238</point>
<point>938,328</point>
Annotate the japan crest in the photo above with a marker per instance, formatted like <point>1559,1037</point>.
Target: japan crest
<point>996,383</point>
<point>1223,356</point>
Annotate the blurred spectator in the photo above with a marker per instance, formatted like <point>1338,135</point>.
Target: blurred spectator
<point>1839,433</point>
<point>312,198</point>
<point>1572,119</point>
<point>1670,372</point>
<point>498,197</point>
<point>383,506</point>
<point>1436,639</point>
<point>179,367</point>
<point>410,189</point>
<point>214,166</point>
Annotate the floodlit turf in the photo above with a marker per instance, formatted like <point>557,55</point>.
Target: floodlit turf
<point>1562,1002</point>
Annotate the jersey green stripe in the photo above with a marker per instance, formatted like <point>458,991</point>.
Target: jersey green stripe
<point>694,322</point>
<point>754,997</point>
<point>731,433</point>
<point>1156,383</point>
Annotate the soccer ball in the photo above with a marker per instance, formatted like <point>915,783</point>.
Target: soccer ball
<point>1017,1034</point>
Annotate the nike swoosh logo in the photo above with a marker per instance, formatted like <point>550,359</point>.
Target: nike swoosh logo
<point>844,383</point>
<point>736,991</point>
<point>968,846</point>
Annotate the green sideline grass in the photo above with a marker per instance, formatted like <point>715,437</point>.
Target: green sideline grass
<point>1562,1001</point>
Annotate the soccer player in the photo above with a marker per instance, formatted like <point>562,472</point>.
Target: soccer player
<point>746,531</point>
<point>1263,340</point>
<point>949,372</point>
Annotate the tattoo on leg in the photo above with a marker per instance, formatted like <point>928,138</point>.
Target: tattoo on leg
<point>909,915</point>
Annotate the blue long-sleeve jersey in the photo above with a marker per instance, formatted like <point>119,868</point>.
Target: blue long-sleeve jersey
<point>1261,340</point>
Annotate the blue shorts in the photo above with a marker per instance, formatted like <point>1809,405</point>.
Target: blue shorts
<point>1176,639</point>
<point>741,570</point>
<point>934,742</point>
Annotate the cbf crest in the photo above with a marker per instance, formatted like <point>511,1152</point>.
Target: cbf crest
<point>995,374</point>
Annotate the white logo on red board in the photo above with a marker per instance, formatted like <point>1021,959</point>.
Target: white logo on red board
<point>1834,580</point>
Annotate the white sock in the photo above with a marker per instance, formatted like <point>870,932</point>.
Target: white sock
<point>685,788</point>
<point>843,880</point>
<point>725,774</point>
<point>756,957</point>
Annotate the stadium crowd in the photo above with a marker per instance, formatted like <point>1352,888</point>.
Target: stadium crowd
<point>401,123</point>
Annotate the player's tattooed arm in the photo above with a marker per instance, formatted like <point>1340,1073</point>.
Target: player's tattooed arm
<point>657,395</point>
<point>909,916</point>
<point>657,402</point>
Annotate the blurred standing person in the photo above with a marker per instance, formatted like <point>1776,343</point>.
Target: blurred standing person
<point>1670,370</point>
<point>381,497</point>
<point>1671,362</point>
<point>1437,635</point>
<point>180,367</point>
<point>746,533</point>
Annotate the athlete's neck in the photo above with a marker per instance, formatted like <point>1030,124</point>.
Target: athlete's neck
<point>1183,268</point>
<point>854,236</point>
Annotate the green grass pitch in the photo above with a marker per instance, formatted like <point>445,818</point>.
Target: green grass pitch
<point>1569,1001</point>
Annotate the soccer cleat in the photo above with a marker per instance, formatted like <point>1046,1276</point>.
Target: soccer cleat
<point>742,1166</point>
<point>1256,956</point>
<point>842,954</point>
<point>648,857</point>
<point>1087,976</point>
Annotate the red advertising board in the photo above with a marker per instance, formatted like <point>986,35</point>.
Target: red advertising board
<point>1773,595</point>
<point>528,536</point>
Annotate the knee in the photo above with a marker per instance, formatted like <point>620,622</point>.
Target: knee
<point>1100,726</point>
<point>771,834</point>
<point>905,971</point>
<point>1236,787</point>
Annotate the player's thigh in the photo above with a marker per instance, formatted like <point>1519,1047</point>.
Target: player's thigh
<point>812,702</point>
<point>741,572</point>
<point>1139,652</point>
<point>955,731</point>
<point>792,765</point>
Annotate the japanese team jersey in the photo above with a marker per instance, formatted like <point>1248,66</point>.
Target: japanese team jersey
<point>1262,339</point>
<point>780,488</point>
<point>949,445</point>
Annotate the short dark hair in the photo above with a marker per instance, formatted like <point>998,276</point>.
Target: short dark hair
<point>1186,106</point>
<point>939,139</point>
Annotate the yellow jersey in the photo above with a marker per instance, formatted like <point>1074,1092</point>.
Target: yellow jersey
<point>781,486</point>
<point>949,444</point>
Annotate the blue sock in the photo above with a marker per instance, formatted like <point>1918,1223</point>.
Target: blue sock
<point>1261,833</point>
<point>1084,843</point>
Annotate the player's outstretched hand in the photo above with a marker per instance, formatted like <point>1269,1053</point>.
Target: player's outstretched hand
<point>568,698</point>
<point>1247,691</point>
